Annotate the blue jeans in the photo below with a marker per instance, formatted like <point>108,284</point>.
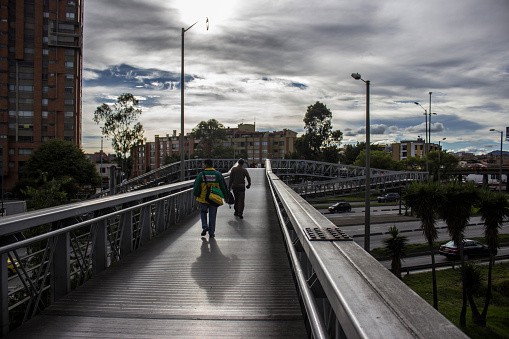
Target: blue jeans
<point>212,212</point>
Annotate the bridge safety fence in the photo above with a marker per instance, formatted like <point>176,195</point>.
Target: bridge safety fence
<point>345,292</point>
<point>47,253</point>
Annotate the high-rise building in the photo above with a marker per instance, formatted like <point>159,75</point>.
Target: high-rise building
<point>40,78</point>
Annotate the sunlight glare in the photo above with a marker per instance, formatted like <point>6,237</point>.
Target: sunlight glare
<point>197,10</point>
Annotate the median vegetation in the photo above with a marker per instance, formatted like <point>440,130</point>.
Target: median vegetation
<point>450,298</point>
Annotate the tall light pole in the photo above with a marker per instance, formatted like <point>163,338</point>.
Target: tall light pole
<point>429,129</point>
<point>182,86</point>
<point>501,140</point>
<point>439,163</point>
<point>101,166</point>
<point>426,134</point>
<point>367,213</point>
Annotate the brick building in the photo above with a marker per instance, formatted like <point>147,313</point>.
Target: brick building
<point>244,140</point>
<point>40,78</point>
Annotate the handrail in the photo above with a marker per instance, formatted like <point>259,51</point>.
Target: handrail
<point>363,299</point>
<point>318,329</point>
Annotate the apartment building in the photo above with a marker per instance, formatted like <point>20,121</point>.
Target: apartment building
<point>40,78</point>
<point>410,148</point>
<point>244,140</point>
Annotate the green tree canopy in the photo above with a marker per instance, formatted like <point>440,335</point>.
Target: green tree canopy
<point>378,159</point>
<point>211,134</point>
<point>351,152</point>
<point>319,142</point>
<point>62,161</point>
<point>443,162</point>
<point>120,124</point>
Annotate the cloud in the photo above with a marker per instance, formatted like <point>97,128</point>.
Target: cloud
<point>268,61</point>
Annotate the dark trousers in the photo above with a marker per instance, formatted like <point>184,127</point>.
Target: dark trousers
<point>240,195</point>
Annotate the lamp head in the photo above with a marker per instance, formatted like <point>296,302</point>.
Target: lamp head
<point>356,76</point>
<point>492,130</point>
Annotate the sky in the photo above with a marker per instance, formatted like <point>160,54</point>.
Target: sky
<point>266,62</point>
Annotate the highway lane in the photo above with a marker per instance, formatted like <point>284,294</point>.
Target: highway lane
<point>383,217</point>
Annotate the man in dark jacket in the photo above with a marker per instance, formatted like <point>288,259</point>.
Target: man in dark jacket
<point>212,178</point>
<point>237,184</point>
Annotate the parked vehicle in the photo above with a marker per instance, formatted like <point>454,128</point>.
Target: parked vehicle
<point>389,197</point>
<point>471,248</point>
<point>340,206</point>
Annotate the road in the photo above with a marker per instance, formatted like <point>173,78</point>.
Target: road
<point>383,217</point>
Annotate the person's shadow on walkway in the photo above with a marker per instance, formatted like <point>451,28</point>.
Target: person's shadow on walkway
<point>215,272</point>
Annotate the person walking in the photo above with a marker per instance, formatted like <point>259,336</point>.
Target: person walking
<point>237,184</point>
<point>209,177</point>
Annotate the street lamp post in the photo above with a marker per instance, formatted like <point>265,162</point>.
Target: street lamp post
<point>367,213</point>
<point>501,140</point>
<point>426,133</point>
<point>182,86</point>
<point>439,162</point>
<point>429,129</point>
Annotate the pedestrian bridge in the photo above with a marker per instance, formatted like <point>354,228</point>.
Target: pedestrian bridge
<point>134,265</point>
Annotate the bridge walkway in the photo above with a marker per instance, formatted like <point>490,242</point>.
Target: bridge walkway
<point>183,285</point>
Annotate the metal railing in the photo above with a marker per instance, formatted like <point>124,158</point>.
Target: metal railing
<point>345,292</point>
<point>311,178</point>
<point>167,174</point>
<point>53,250</point>
<point>343,288</point>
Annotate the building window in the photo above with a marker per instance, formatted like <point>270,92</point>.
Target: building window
<point>45,102</point>
<point>25,151</point>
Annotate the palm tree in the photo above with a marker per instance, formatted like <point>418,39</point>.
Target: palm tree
<point>456,211</point>
<point>396,248</point>
<point>473,283</point>
<point>425,198</point>
<point>494,209</point>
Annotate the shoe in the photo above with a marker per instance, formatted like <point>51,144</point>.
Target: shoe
<point>203,233</point>
<point>241,217</point>
<point>212,235</point>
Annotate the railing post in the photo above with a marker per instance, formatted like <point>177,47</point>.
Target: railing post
<point>126,240</point>
<point>4,298</point>
<point>145,235</point>
<point>99,255</point>
<point>60,268</point>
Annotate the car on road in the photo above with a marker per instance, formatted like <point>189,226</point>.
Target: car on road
<point>389,197</point>
<point>340,206</point>
<point>471,249</point>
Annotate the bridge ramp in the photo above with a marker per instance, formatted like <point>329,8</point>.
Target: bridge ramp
<point>183,285</point>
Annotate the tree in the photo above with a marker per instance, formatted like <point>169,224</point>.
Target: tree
<point>494,209</point>
<point>378,159</point>
<point>443,162</point>
<point>472,281</point>
<point>121,125</point>
<point>57,165</point>
<point>425,199</point>
<point>413,164</point>
<point>211,134</point>
<point>456,211</point>
<point>319,135</point>
<point>395,246</point>
<point>351,152</point>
